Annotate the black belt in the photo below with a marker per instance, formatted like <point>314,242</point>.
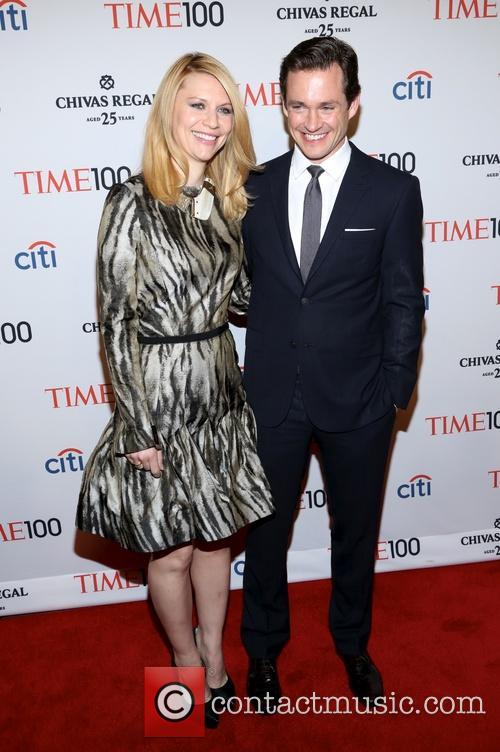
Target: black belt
<point>197,337</point>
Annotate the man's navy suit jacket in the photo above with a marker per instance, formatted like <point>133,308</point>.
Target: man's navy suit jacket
<point>354,328</point>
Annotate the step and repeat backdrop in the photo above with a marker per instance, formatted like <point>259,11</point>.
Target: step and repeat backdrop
<point>78,80</point>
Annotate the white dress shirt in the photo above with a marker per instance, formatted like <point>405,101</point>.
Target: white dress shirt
<point>330,180</point>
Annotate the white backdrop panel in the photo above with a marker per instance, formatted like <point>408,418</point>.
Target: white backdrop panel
<point>430,73</point>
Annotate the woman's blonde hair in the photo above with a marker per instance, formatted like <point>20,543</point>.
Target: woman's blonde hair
<point>162,158</point>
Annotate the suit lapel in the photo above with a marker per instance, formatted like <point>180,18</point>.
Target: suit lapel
<point>279,191</point>
<point>353,186</point>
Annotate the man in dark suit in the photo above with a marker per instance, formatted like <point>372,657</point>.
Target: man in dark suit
<point>333,243</point>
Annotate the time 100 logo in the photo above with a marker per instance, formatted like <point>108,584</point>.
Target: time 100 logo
<point>313,499</point>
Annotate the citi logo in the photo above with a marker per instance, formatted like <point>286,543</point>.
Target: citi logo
<point>451,10</point>
<point>427,298</point>
<point>416,488</point>
<point>13,16</point>
<point>68,460</point>
<point>416,86</point>
<point>40,255</point>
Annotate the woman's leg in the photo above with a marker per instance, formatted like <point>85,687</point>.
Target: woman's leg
<point>210,572</point>
<point>170,590</point>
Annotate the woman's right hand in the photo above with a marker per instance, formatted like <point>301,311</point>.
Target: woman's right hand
<point>150,460</point>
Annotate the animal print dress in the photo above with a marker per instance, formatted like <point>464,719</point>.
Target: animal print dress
<point>166,272</point>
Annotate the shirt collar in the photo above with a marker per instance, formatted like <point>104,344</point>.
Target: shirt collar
<point>335,165</point>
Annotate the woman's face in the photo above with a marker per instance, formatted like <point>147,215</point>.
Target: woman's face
<point>202,120</point>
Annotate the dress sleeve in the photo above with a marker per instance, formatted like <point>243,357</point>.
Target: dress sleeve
<point>240,295</point>
<point>118,240</point>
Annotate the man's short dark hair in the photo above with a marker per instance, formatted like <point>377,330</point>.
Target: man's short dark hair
<point>320,53</point>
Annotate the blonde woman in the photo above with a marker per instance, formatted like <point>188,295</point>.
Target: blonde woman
<point>175,472</point>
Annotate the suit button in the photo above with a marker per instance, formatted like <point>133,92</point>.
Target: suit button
<point>304,301</point>
<point>293,344</point>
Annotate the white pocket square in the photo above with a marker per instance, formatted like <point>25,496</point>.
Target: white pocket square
<point>360,229</point>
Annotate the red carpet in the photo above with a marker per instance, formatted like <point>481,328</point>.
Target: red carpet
<point>73,680</point>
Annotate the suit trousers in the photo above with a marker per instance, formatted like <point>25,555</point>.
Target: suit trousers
<point>353,464</point>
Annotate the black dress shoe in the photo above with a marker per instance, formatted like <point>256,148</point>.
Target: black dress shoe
<point>227,690</point>
<point>364,677</point>
<point>211,717</point>
<point>224,693</point>
<point>263,685</point>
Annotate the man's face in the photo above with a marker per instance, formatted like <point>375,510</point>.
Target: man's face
<point>317,111</point>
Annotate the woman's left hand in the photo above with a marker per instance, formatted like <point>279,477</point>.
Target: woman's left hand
<point>150,460</point>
